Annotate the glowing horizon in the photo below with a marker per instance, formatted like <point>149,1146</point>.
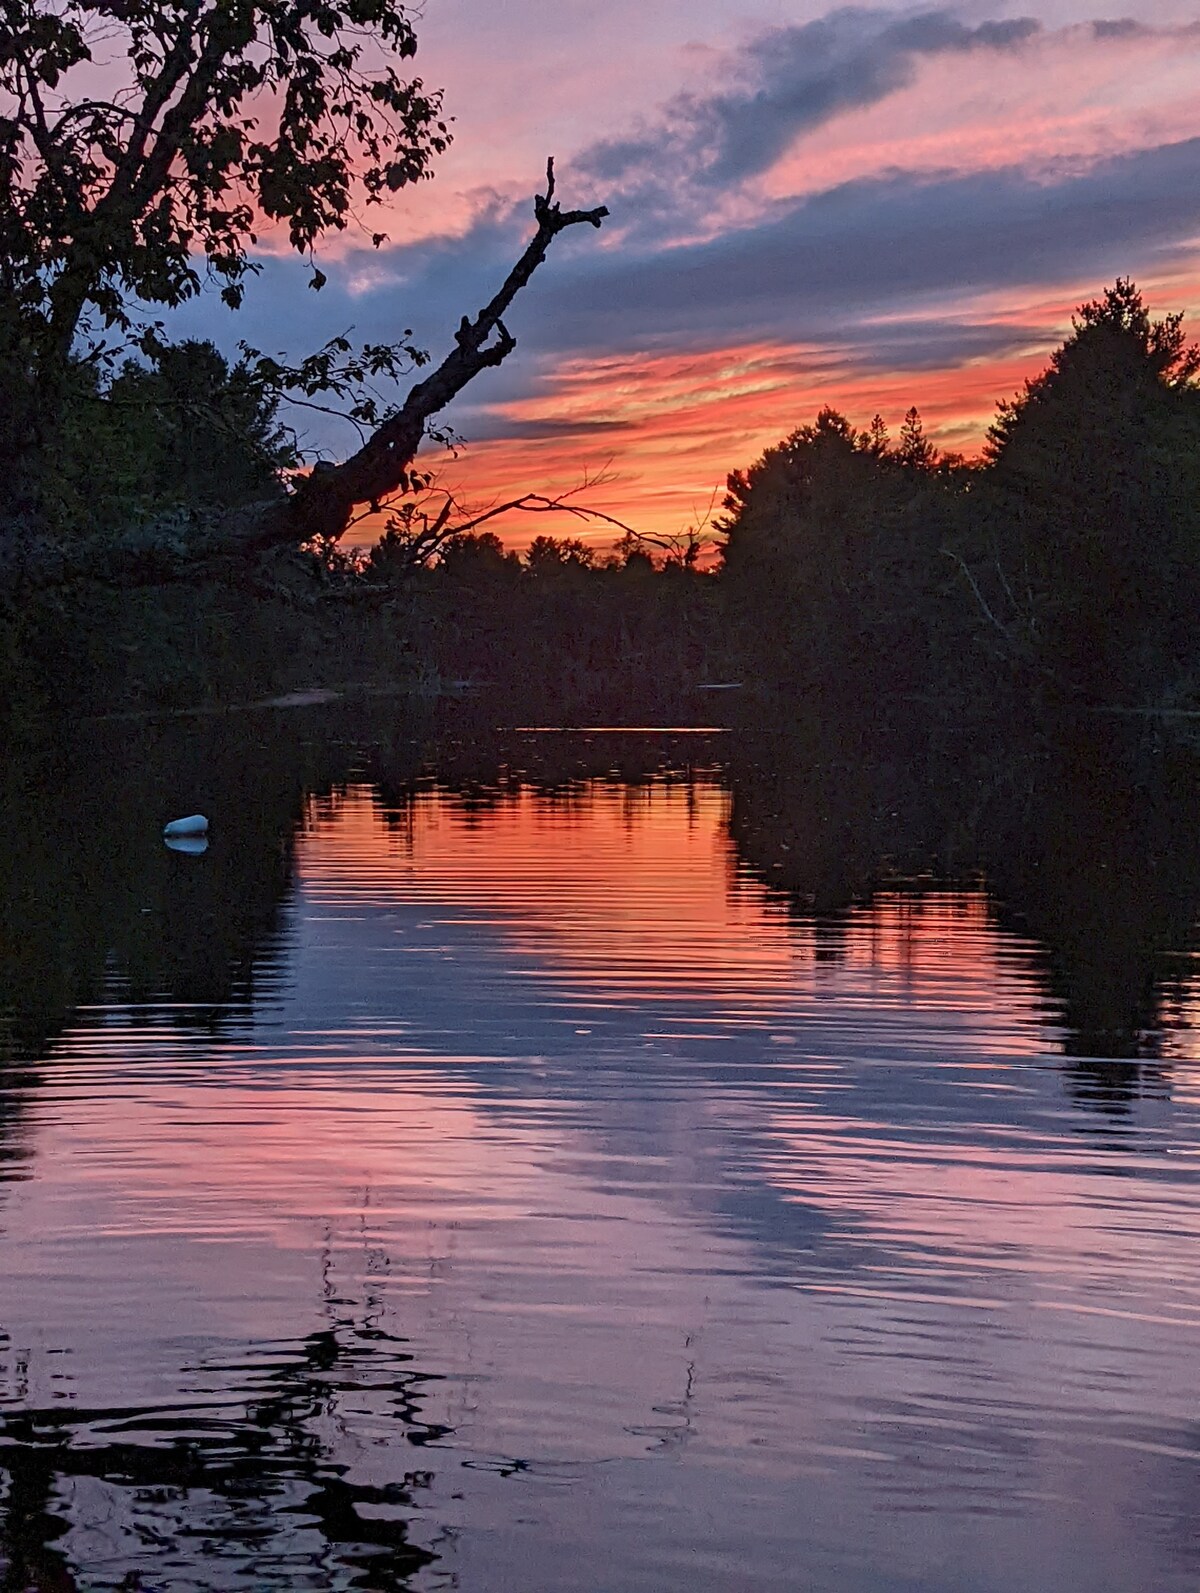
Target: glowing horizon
<point>868,207</point>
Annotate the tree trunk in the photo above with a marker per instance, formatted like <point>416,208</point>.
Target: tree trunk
<point>324,503</point>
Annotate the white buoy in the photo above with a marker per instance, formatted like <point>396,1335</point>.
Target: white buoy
<point>195,824</point>
<point>193,845</point>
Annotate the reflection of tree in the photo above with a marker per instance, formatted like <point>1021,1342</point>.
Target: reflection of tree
<point>258,1485</point>
<point>93,908</point>
<point>1087,843</point>
<point>1108,920</point>
<point>826,817</point>
<point>1102,865</point>
<point>15,1086</point>
<point>481,768</point>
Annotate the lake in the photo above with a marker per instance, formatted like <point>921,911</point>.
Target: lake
<point>601,1161</point>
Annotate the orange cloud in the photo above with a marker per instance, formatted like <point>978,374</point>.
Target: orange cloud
<point>657,433</point>
<point>672,426</point>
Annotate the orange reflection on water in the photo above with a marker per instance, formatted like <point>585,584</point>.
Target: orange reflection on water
<point>634,894</point>
<point>809,1243</point>
<point>629,888</point>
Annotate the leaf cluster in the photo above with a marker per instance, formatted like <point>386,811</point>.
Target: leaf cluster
<point>145,144</point>
<point>164,442</point>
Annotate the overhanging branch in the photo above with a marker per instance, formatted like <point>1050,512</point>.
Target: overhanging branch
<point>324,504</point>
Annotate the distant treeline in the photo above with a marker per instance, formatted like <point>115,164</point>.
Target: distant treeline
<point>853,572</point>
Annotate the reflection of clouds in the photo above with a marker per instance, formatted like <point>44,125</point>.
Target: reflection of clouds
<point>610,941</point>
<point>724,1243</point>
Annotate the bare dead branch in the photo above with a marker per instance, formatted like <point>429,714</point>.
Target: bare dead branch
<point>980,600</point>
<point>324,504</point>
<point>539,503</point>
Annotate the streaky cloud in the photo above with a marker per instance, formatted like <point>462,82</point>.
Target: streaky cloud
<point>924,343</point>
<point>1121,28</point>
<point>788,81</point>
<point>844,267</point>
<point>830,260</point>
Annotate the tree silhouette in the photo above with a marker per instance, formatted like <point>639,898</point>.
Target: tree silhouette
<point>213,121</point>
<point>1089,511</point>
<point>830,561</point>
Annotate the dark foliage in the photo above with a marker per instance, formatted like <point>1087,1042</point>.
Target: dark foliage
<point>1087,530</point>
<point>180,435</point>
<point>143,147</point>
<point>859,579</point>
<point>210,121</point>
<point>1065,565</point>
<point>559,628</point>
<point>831,561</point>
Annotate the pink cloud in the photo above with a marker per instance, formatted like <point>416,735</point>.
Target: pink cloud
<point>657,433</point>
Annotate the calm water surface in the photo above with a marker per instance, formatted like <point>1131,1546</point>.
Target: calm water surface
<point>506,1184</point>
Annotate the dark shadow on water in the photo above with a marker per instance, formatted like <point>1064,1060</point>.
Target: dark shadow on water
<point>1083,837</point>
<point>252,1486</point>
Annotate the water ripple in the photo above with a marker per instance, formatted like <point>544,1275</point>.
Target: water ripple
<point>558,1206</point>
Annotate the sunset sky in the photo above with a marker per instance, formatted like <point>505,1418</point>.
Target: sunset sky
<point>868,206</point>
